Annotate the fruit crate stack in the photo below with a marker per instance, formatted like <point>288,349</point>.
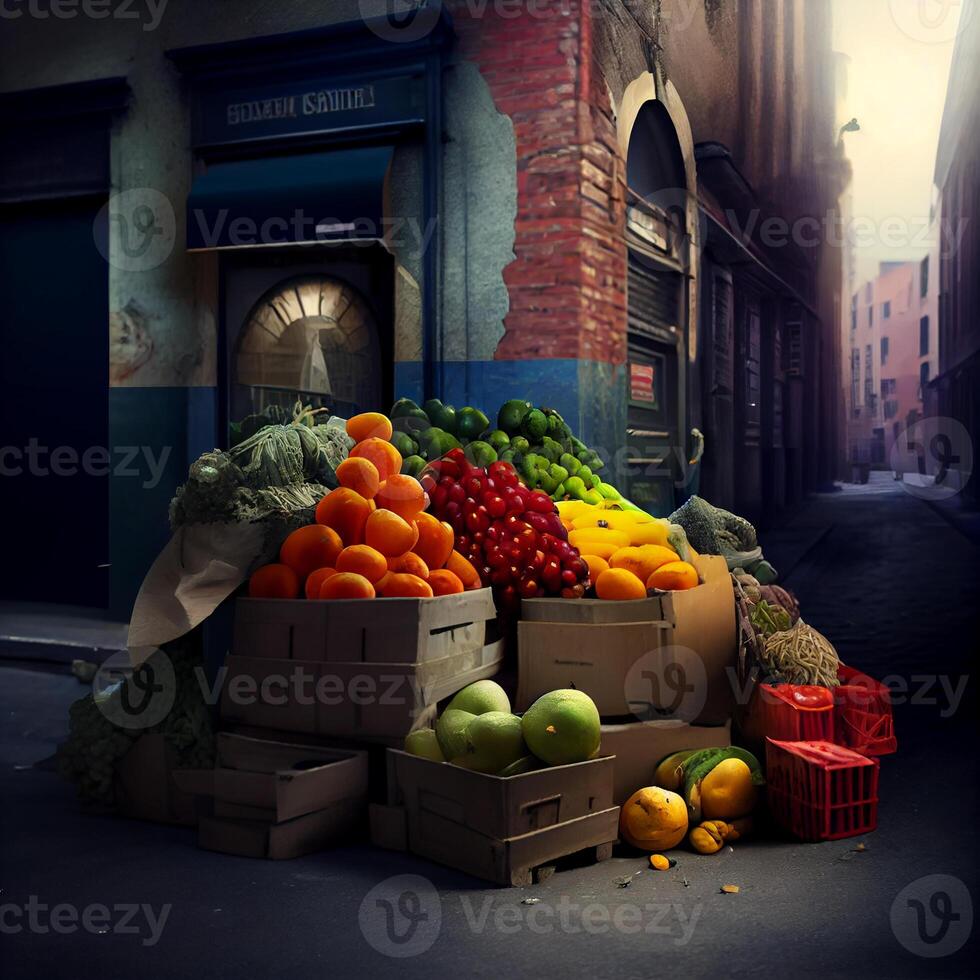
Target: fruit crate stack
<point>651,666</point>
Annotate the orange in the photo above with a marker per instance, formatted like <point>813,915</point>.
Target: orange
<point>464,571</point>
<point>310,547</point>
<point>619,583</point>
<point>402,585</point>
<point>346,511</point>
<point>673,576</point>
<point>315,579</point>
<point>390,534</point>
<point>596,565</point>
<point>363,560</point>
<point>369,425</point>
<point>444,582</point>
<point>409,562</point>
<point>642,560</point>
<point>360,475</point>
<point>346,585</point>
<point>382,453</point>
<point>653,819</point>
<point>436,539</point>
<point>273,582</point>
<point>402,494</point>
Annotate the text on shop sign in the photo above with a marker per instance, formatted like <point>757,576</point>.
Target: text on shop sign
<point>316,103</point>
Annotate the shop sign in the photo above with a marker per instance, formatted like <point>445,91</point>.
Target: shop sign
<point>292,109</point>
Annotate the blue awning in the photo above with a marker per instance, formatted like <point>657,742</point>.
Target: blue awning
<point>317,197</point>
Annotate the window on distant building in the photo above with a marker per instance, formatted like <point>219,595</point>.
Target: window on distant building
<point>888,386</point>
<point>924,373</point>
<point>855,378</point>
<point>871,315</point>
<point>867,292</point>
<point>886,309</point>
<point>924,276</point>
<point>923,336</point>
<point>854,318</point>
<point>869,381</point>
<point>884,351</point>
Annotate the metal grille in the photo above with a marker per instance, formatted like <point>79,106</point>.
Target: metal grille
<point>653,299</point>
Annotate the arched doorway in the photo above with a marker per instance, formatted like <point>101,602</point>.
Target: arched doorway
<point>661,243</point>
<point>311,337</point>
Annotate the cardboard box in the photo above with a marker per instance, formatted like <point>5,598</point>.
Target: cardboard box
<point>386,631</point>
<point>148,786</point>
<point>667,656</point>
<point>279,841</point>
<point>498,829</point>
<point>277,782</point>
<point>276,799</point>
<point>640,746</point>
<point>354,700</point>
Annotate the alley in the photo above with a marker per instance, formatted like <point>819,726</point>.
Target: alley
<point>886,577</point>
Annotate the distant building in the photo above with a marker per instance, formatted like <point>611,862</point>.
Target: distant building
<point>892,341</point>
<point>957,383</point>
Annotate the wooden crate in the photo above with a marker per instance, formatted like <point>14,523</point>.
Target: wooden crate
<point>380,631</point>
<point>348,700</point>
<point>501,830</point>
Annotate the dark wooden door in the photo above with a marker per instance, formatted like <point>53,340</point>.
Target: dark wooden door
<point>54,378</point>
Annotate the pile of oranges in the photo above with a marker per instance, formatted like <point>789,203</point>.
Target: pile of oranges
<point>372,536</point>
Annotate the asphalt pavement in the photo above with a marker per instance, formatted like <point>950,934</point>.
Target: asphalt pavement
<point>882,573</point>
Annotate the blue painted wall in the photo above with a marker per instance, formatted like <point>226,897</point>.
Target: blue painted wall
<point>167,428</point>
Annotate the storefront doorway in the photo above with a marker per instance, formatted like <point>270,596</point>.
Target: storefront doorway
<point>315,329</point>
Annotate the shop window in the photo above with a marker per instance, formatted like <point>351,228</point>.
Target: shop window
<point>923,336</point>
<point>312,338</point>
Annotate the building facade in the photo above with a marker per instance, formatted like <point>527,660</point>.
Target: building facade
<point>956,388</point>
<point>892,340</point>
<point>626,213</point>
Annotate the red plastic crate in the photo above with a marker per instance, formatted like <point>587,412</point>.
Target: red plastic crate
<point>821,791</point>
<point>795,712</point>
<point>863,714</point>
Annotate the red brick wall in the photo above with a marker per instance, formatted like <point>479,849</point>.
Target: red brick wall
<point>567,283</point>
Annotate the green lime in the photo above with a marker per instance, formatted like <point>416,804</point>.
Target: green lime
<point>511,413</point>
<point>499,439</point>
<point>480,453</point>
<point>435,443</point>
<point>535,426</point>
<point>520,445</point>
<point>413,465</point>
<point>404,443</point>
<point>444,417</point>
<point>404,406</point>
<point>471,423</point>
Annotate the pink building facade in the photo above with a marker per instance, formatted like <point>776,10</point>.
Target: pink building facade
<point>891,343</point>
